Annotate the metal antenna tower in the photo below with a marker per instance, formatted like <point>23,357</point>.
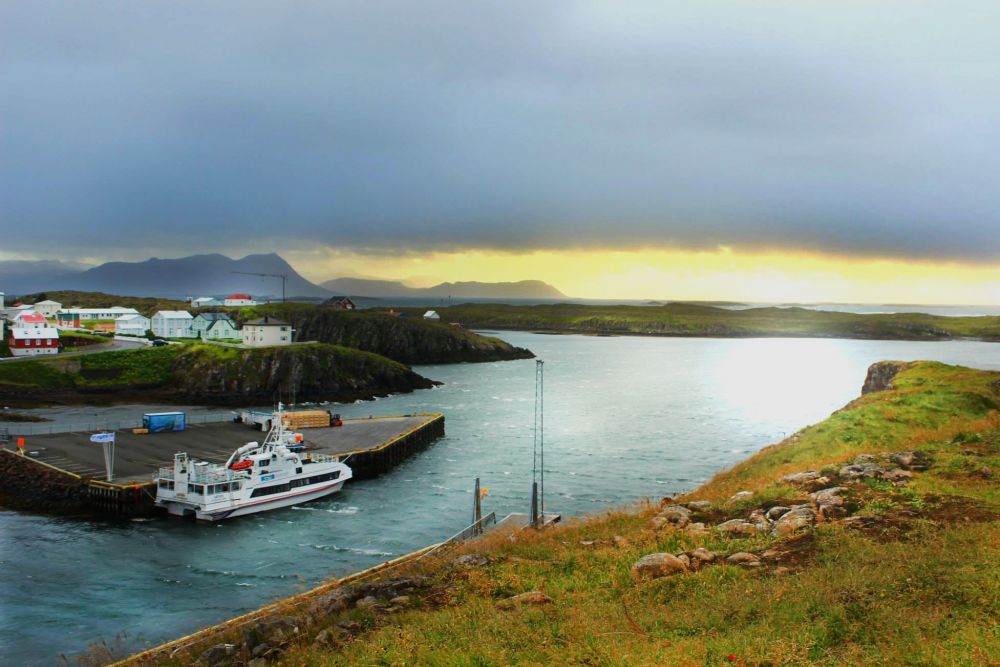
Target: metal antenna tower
<point>283,276</point>
<point>538,459</point>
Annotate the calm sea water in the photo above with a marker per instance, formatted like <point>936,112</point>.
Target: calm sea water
<point>626,418</point>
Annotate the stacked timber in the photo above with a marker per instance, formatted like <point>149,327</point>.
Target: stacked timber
<point>307,419</point>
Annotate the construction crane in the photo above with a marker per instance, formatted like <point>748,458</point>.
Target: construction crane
<point>283,276</point>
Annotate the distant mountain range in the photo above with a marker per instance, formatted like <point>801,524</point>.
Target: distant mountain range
<point>196,275</point>
<point>522,289</point>
<point>217,275</point>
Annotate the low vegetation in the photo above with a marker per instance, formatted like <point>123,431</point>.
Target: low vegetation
<point>897,566</point>
<point>685,319</point>
<point>72,341</point>
<point>73,299</point>
<point>410,339</point>
<point>209,373</point>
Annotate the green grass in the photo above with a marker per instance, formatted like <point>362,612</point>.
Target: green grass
<point>685,319</point>
<point>34,374</point>
<point>147,367</point>
<point>75,299</point>
<point>180,367</point>
<point>927,593</point>
<point>76,340</point>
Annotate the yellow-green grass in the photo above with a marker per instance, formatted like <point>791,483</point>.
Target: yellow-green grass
<point>77,299</point>
<point>925,590</point>
<point>687,319</point>
<point>77,340</point>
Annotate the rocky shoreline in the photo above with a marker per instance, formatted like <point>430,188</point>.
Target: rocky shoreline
<point>786,543</point>
<point>225,377</point>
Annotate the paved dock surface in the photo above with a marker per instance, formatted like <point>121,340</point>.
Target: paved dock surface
<point>137,457</point>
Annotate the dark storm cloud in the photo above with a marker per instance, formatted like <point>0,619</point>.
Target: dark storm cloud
<point>131,127</point>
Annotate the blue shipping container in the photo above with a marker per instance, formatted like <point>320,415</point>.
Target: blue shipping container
<point>158,422</point>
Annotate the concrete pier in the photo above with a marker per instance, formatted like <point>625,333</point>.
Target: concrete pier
<point>65,471</point>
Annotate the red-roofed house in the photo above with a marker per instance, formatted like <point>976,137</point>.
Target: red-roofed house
<point>30,318</point>
<point>239,300</point>
<point>31,334</point>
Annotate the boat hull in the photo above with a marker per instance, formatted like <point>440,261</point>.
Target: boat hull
<point>263,505</point>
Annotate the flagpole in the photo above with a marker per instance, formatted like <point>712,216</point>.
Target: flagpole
<point>107,441</point>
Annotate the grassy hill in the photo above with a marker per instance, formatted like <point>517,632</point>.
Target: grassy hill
<point>896,566</point>
<point>73,299</point>
<point>685,319</point>
<point>410,340</point>
<point>210,374</point>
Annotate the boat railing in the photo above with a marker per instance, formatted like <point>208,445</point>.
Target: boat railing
<point>319,458</point>
<point>198,476</point>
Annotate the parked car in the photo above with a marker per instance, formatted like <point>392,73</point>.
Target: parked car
<point>159,342</point>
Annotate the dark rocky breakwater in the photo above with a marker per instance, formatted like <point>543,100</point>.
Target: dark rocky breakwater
<point>26,484</point>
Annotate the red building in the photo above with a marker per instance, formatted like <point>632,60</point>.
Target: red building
<point>31,335</point>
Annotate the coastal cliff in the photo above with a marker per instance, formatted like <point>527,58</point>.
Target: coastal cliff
<point>210,374</point>
<point>303,372</point>
<point>410,340</point>
<point>870,538</point>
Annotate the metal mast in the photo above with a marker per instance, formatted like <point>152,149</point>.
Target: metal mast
<point>283,276</point>
<point>539,443</point>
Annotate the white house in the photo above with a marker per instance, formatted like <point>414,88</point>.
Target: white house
<point>214,326</point>
<point>431,315</point>
<point>132,325</point>
<point>68,315</point>
<point>205,302</point>
<point>239,300</point>
<point>172,324</point>
<point>266,331</point>
<point>47,308</point>
<point>31,334</point>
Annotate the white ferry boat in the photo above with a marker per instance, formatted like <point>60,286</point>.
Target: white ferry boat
<point>256,478</point>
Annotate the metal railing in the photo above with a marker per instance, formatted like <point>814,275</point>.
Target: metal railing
<point>91,426</point>
<point>474,530</point>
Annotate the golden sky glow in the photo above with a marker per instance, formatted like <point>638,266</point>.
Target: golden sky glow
<point>721,274</point>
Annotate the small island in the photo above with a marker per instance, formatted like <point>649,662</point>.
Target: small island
<point>691,319</point>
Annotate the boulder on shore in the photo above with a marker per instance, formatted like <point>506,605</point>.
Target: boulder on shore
<point>911,460</point>
<point>794,520</point>
<point>737,528</point>
<point>807,479</point>
<point>743,558</point>
<point>672,515</point>
<point>862,471</point>
<point>654,566</point>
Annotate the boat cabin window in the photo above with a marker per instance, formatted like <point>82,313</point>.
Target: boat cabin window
<point>167,484</point>
<point>196,489</point>
<point>270,490</point>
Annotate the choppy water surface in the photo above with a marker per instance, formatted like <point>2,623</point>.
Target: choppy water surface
<point>626,418</point>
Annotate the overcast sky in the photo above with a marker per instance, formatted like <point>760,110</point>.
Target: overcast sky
<point>137,128</point>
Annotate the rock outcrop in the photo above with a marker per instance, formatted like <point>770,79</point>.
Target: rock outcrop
<point>307,372</point>
<point>409,340</point>
<point>881,375</point>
